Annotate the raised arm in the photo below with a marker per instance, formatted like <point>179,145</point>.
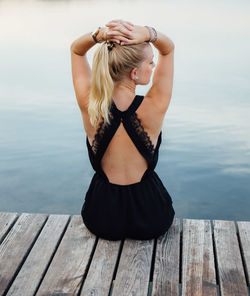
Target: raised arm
<point>81,71</point>
<point>162,82</point>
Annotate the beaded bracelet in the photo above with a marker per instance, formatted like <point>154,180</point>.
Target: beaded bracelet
<point>150,29</point>
<point>155,34</point>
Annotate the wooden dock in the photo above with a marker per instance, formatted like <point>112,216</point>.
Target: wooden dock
<point>55,255</point>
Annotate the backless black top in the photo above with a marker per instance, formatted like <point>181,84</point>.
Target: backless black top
<point>135,130</point>
<point>141,210</point>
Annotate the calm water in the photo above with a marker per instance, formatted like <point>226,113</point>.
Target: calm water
<point>204,160</point>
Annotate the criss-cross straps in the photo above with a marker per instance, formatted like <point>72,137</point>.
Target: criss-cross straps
<point>132,125</point>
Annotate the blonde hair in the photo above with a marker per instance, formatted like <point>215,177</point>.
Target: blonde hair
<point>109,66</point>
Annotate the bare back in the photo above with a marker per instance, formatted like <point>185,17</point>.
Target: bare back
<point>122,162</point>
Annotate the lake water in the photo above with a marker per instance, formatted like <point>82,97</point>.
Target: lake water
<point>204,159</point>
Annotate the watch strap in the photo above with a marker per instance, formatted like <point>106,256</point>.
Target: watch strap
<point>95,33</point>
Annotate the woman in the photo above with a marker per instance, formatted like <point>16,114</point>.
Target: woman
<point>126,198</point>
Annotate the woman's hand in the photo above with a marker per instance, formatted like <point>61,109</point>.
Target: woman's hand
<point>126,32</point>
<point>117,32</point>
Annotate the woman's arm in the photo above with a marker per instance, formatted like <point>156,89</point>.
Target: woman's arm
<point>82,44</point>
<point>81,72</point>
<point>162,83</point>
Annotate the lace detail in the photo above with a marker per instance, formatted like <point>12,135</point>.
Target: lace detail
<point>96,143</point>
<point>136,123</point>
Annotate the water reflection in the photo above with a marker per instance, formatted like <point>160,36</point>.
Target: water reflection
<point>204,158</point>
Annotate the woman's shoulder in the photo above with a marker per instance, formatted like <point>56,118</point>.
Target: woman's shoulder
<point>150,116</point>
<point>151,106</point>
<point>158,100</point>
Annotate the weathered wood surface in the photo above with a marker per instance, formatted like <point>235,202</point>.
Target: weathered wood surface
<point>166,266</point>
<point>6,222</point>
<point>101,269</point>
<point>69,264</point>
<point>16,246</point>
<point>198,270</point>
<point>133,272</point>
<point>244,237</point>
<point>44,255</point>
<point>230,266</point>
<point>39,257</point>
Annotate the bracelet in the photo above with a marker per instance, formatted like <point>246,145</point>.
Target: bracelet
<point>151,29</point>
<point>95,33</point>
<point>155,34</point>
<point>149,33</point>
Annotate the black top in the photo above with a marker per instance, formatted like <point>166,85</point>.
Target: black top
<point>141,210</point>
<point>135,130</point>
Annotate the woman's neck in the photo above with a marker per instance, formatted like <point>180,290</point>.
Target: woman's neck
<point>123,94</point>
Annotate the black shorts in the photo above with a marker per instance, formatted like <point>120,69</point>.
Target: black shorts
<point>141,210</point>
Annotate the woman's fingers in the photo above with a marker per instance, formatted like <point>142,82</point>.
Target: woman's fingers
<point>127,42</point>
<point>120,32</point>
<point>115,25</point>
<point>130,24</point>
<point>120,21</point>
<point>126,24</point>
<point>118,37</point>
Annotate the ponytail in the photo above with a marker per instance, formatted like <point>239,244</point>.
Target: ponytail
<point>110,64</point>
<point>102,86</point>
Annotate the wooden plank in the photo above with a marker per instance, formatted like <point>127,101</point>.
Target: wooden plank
<point>101,270</point>
<point>6,221</point>
<point>30,242</point>
<point>16,246</point>
<point>133,272</point>
<point>39,257</point>
<point>68,266</point>
<point>244,236</point>
<point>231,274</point>
<point>166,267</point>
<point>198,270</point>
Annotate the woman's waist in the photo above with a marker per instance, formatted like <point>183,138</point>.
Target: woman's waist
<point>124,176</point>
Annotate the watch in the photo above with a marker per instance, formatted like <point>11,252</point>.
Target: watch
<point>95,33</point>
